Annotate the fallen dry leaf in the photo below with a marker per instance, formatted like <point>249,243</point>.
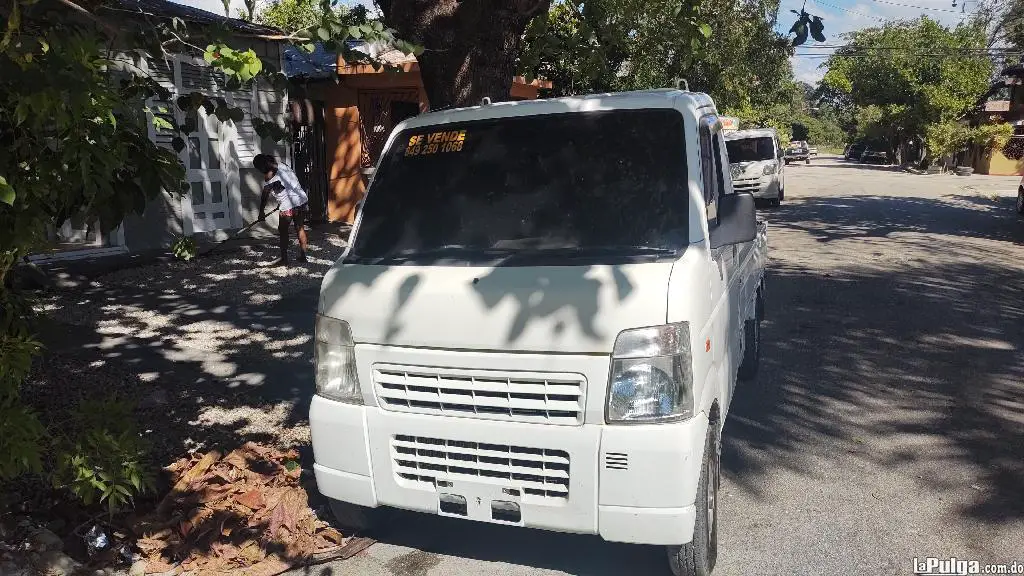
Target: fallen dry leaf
<point>332,535</point>
<point>158,566</point>
<point>245,514</point>
<point>252,499</point>
<point>269,567</point>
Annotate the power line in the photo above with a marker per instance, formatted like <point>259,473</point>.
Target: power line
<point>918,54</point>
<point>964,50</point>
<point>820,3</point>
<point>919,7</point>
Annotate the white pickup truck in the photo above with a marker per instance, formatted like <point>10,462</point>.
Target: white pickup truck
<point>541,320</point>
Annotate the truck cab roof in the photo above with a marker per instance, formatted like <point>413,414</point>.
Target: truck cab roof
<point>660,98</point>
<point>751,133</point>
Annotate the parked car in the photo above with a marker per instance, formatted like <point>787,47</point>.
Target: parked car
<point>813,151</point>
<point>854,151</point>
<point>797,151</point>
<point>874,156</point>
<point>755,157</point>
<point>534,326</point>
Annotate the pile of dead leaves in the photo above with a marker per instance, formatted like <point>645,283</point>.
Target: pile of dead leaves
<point>245,513</point>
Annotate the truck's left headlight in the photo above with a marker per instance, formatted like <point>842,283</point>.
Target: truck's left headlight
<point>769,169</point>
<point>651,377</point>
<point>335,358</point>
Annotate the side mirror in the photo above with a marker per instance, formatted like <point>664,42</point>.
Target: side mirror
<point>737,220</point>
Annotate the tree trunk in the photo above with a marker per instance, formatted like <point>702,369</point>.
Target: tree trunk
<point>471,46</point>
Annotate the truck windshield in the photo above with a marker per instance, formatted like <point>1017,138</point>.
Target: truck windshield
<point>750,149</point>
<point>608,184</point>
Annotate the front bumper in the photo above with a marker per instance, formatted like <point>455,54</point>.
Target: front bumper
<point>633,484</point>
<point>763,187</point>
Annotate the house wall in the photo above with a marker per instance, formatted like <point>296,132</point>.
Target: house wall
<point>346,181</point>
<point>995,163</point>
<point>171,214</point>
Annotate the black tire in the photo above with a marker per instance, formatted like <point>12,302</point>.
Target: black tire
<point>774,202</point>
<point>1020,200</point>
<point>698,557</point>
<point>751,349</point>
<point>787,162</point>
<point>355,520</point>
<point>782,195</point>
<point>759,303</point>
<point>807,161</point>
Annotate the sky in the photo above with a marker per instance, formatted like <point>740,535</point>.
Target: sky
<point>217,6</point>
<point>839,16</point>
<point>842,16</point>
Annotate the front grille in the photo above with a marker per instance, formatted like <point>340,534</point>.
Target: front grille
<point>434,461</point>
<point>746,185</point>
<point>518,397</point>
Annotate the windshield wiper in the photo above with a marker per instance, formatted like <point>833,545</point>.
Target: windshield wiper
<point>601,250</point>
<point>452,250</point>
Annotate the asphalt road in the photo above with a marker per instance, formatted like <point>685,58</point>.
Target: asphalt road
<point>887,422</point>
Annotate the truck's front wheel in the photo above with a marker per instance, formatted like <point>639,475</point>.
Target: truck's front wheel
<point>698,557</point>
<point>352,519</point>
<point>751,349</point>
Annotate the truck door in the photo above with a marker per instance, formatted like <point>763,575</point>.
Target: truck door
<point>713,181</point>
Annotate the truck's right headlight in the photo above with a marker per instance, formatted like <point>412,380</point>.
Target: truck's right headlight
<point>651,378</point>
<point>335,358</point>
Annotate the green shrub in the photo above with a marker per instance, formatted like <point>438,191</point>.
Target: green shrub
<point>104,459</point>
<point>184,247</point>
<point>21,433</point>
<point>21,436</point>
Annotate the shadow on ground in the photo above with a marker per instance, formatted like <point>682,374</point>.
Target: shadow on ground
<point>875,216</point>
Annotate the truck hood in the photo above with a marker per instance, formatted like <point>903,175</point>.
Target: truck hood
<point>568,309</point>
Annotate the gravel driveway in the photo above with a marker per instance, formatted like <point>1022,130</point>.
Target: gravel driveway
<point>217,350</point>
<point>887,422</point>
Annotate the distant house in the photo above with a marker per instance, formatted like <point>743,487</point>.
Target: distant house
<point>224,189</point>
<point>1003,102</point>
<point>358,107</point>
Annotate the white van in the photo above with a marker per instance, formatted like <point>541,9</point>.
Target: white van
<point>758,165</point>
<point>540,320</point>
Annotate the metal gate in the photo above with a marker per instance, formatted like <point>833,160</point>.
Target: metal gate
<point>379,112</point>
<point>309,153</point>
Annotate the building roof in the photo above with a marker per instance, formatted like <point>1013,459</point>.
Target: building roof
<point>168,9</point>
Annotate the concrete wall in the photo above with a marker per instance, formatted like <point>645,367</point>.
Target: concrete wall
<point>157,226</point>
<point>995,163</point>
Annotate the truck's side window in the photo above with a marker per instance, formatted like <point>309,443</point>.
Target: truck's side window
<point>721,163</point>
<point>709,164</point>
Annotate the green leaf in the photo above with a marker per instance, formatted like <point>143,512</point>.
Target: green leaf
<point>323,33</point>
<point>705,29</point>
<point>178,144</point>
<point>21,112</point>
<point>236,114</point>
<point>355,32</point>
<point>308,47</point>
<point>6,192</point>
